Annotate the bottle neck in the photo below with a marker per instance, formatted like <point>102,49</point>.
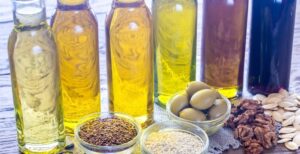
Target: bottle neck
<point>30,13</point>
<point>72,4</point>
<point>128,3</point>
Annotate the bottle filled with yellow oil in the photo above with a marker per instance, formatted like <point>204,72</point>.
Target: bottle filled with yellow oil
<point>35,80</point>
<point>130,60</point>
<point>76,34</point>
<point>175,46</point>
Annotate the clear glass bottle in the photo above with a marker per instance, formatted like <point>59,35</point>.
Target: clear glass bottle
<point>76,33</point>
<point>271,45</point>
<point>35,80</point>
<point>175,31</point>
<point>223,45</point>
<point>130,59</point>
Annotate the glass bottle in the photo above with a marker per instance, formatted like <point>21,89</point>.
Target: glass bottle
<point>130,60</point>
<point>223,46</point>
<point>175,31</point>
<point>271,45</point>
<point>76,33</point>
<point>35,80</point>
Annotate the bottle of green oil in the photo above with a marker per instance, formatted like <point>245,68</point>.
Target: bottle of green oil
<point>175,46</point>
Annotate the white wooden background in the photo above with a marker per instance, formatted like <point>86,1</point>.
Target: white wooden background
<point>8,143</point>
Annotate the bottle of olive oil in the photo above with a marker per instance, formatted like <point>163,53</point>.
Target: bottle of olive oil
<point>35,80</point>
<point>76,33</point>
<point>175,46</point>
<point>130,59</point>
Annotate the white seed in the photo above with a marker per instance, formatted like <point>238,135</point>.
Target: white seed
<point>277,116</point>
<point>269,106</point>
<point>291,108</point>
<point>287,115</point>
<point>268,112</point>
<point>286,130</point>
<point>295,96</point>
<point>289,136</point>
<point>297,119</point>
<point>291,145</point>
<point>298,102</point>
<point>297,123</point>
<point>259,97</point>
<point>272,100</point>
<point>288,121</point>
<point>280,110</point>
<point>297,112</point>
<point>291,100</point>
<point>283,140</point>
<point>284,92</point>
<point>286,104</point>
<point>298,97</point>
<point>275,95</point>
<point>297,139</point>
<point>296,126</point>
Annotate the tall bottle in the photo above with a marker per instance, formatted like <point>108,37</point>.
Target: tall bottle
<point>35,80</point>
<point>271,45</point>
<point>223,50</point>
<point>175,31</point>
<point>76,34</point>
<point>130,59</point>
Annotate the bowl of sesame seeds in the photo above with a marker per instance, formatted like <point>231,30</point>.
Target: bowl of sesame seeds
<point>107,133</point>
<point>173,137</point>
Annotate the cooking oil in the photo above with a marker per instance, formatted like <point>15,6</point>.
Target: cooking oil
<point>76,34</point>
<point>35,80</point>
<point>175,46</point>
<point>130,60</point>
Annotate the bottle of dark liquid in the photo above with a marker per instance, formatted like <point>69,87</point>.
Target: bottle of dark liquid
<point>271,45</point>
<point>224,36</point>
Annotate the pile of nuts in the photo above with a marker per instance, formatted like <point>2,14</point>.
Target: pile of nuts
<point>252,127</point>
<point>284,108</point>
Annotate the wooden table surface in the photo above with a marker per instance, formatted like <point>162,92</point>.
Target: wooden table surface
<point>8,142</point>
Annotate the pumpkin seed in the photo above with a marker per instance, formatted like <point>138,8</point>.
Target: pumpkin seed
<point>283,140</point>
<point>291,145</point>
<point>288,121</point>
<point>270,106</point>
<point>286,130</point>
<point>289,136</point>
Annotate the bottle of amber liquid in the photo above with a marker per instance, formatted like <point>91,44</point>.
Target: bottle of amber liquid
<point>76,34</point>
<point>130,59</point>
<point>223,46</point>
<point>175,46</point>
<point>35,80</point>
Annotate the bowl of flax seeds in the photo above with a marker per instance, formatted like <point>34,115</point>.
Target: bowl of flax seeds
<point>107,133</point>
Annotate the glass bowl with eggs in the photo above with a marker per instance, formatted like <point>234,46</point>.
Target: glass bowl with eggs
<point>201,105</point>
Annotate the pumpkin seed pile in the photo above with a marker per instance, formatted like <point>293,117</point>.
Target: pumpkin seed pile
<point>284,108</point>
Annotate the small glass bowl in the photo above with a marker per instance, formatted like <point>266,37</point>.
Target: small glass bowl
<point>178,126</point>
<point>126,148</point>
<point>209,126</point>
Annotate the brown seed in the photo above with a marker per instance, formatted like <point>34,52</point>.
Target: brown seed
<point>107,132</point>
